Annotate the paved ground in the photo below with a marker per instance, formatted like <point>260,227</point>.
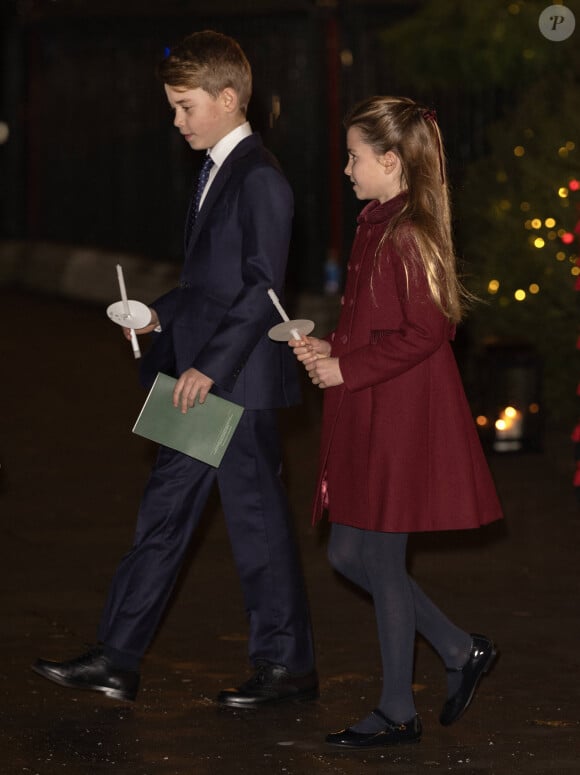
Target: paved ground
<point>71,477</point>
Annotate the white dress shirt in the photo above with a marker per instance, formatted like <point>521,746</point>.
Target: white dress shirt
<point>222,150</point>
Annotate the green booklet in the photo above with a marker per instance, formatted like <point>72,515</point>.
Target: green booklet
<point>204,432</point>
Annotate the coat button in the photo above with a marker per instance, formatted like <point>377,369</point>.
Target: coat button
<point>344,338</point>
<point>342,300</point>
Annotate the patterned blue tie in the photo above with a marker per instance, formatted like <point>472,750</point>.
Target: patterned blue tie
<point>201,184</point>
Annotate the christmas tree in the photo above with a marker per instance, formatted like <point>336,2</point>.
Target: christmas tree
<point>508,100</point>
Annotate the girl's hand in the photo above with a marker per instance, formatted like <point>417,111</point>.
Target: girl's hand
<point>309,349</point>
<point>325,372</point>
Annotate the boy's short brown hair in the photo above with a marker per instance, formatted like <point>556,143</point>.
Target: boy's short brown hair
<point>210,61</point>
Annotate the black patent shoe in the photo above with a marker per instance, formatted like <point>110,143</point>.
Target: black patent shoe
<point>391,734</point>
<point>92,670</point>
<point>481,658</point>
<point>271,684</point>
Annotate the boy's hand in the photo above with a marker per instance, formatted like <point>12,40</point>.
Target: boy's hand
<point>151,326</point>
<point>191,384</point>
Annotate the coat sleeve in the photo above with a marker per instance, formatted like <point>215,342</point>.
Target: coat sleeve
<point>422,330</point>
<point>266,211</point>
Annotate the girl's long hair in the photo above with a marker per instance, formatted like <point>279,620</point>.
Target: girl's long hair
<point>410,130</point>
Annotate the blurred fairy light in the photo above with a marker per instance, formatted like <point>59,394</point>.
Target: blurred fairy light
<point>550,232</point>
<point>346,57</point>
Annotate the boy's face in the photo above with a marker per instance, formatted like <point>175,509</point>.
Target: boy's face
<point>202,119</point>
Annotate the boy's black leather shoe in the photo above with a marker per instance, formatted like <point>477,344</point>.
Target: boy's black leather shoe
<point>480,661</point>
<point>92,670</point>
<point>391,734</point>
<point>271,684</point>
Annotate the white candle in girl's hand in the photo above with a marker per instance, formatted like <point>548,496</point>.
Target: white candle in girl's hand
<point>279,307</point>
<point>282,312</point>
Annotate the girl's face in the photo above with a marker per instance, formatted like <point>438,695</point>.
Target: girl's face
<point>201,119</point>
<point>372,176</point>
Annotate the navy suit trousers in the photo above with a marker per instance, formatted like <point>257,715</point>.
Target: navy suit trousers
<point>262,539</point>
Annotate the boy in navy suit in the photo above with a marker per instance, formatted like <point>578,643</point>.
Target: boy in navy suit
<point>211,333</point>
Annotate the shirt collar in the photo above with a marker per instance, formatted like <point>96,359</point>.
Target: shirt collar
<point>226,145</point>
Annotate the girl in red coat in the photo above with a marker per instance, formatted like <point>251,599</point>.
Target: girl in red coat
<point>399,449</point>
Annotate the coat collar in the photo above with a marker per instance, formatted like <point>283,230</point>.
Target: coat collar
<point>375,212</point>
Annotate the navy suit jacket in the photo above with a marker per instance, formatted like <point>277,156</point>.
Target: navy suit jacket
<point>217,319</point>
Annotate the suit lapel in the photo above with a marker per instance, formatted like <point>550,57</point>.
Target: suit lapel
<point>217,186</point>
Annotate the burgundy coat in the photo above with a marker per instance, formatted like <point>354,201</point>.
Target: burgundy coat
<point>399,448</point>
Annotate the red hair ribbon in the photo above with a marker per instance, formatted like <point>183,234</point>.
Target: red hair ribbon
<point>430,114</point>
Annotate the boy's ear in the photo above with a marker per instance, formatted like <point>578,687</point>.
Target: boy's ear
<point>229,98</point>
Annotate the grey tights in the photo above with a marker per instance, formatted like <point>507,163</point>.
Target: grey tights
<point>376,562</point>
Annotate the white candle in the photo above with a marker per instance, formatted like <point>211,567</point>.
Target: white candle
<point>282,312</point>
<point>125,300</point>
<point>123,290</point>
<point>279,307</point>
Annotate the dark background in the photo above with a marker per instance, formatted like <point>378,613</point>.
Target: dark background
<point>93,172</point>
<point>93,158</point>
